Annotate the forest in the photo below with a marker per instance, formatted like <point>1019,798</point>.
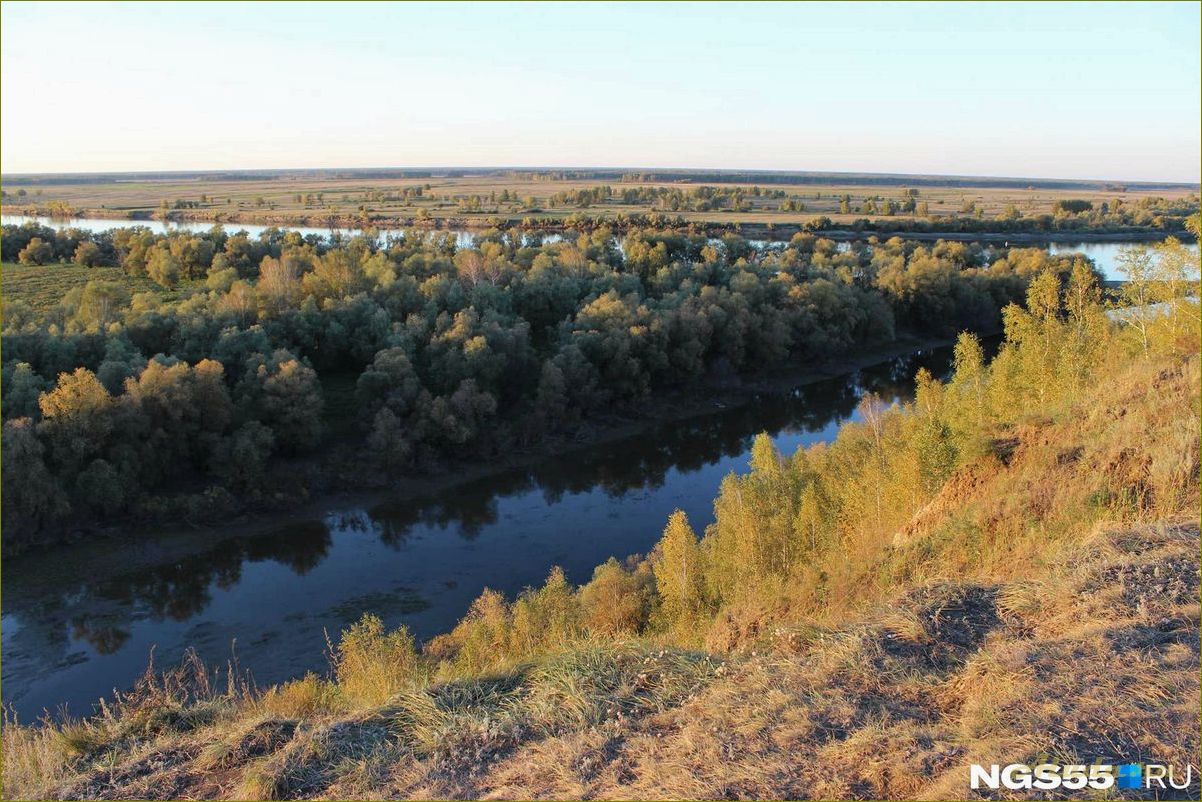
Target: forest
<point>907,211</point>
<point>355,357</point>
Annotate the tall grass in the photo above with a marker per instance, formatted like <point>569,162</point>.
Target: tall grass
<point>372,665</point>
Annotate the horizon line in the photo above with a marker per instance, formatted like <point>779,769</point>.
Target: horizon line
<point>13,175</point>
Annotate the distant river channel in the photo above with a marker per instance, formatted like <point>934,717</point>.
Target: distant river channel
<point>1104,254</point>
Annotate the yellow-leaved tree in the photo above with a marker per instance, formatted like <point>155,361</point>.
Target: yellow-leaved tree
<point>678,570</point>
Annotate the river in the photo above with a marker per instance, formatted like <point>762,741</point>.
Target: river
<point>81,620</point>
<point>1104,254</point>
<point>464,238</point>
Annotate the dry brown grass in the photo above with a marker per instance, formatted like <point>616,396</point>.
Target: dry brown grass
<point>871,712</point>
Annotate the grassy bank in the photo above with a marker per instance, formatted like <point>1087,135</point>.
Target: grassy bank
<point>970,579</point>
<point>1096,660</point>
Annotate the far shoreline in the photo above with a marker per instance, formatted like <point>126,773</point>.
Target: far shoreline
<point>773,232</point>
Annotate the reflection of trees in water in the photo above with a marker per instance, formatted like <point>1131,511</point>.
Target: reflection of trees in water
<point>179,591</point>
<point>301,547</point>
<point>642,463</point>
<point>468,507</point>
<point>104,636</point>
<point>894,380</point>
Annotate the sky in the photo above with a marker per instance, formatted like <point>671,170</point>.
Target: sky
<point>1099,90</point>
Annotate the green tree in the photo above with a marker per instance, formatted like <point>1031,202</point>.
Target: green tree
<point>279,284</point>
<point>765,459</point>
<point>389,381</point>
<point>97,304</point>
<point>1177,273</point>
<point>22,387</point>
<point>241,460</point>
<point>286,396</point>
<point>969,403</point>
<point>163,268</point>
<point>77,417</point>
<point>547,619</point>
<point>812,524</point>
<point>616,601</point>
<point>37,252</point>
<point>34,500</point>
<point>390,440</point>
<point>936,453</point>
<point>87,254</point>
<point>100,488</point>
<point>1138,292</point>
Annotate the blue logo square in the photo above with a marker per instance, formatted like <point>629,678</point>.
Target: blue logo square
<point>1130,775</point>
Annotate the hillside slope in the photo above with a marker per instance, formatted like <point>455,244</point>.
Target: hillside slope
<point>1099,662</point>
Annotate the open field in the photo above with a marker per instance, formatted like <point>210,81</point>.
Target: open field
<point>43,286</point>
<point>366,197</point>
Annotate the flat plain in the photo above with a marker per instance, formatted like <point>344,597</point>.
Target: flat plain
<point>476,198</point>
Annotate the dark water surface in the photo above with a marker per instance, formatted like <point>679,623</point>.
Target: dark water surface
<point>79,621</point>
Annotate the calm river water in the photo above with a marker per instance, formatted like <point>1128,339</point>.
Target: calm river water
<point>79,621</point>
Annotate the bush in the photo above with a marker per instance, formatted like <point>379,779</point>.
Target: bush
<point>37,252</point>
<point>373,665</point>
<point>617,601</point>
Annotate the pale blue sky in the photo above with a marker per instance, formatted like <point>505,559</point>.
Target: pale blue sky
<point>1075,90</point>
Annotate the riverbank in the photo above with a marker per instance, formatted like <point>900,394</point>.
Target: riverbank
<point>543,223</point>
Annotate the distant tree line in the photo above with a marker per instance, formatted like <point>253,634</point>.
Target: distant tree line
<point>674,199</point>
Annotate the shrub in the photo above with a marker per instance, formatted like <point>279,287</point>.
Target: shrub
<point>372,665</point>
<point>616,601</point>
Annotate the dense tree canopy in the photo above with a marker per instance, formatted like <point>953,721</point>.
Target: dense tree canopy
<point>149,403</point>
